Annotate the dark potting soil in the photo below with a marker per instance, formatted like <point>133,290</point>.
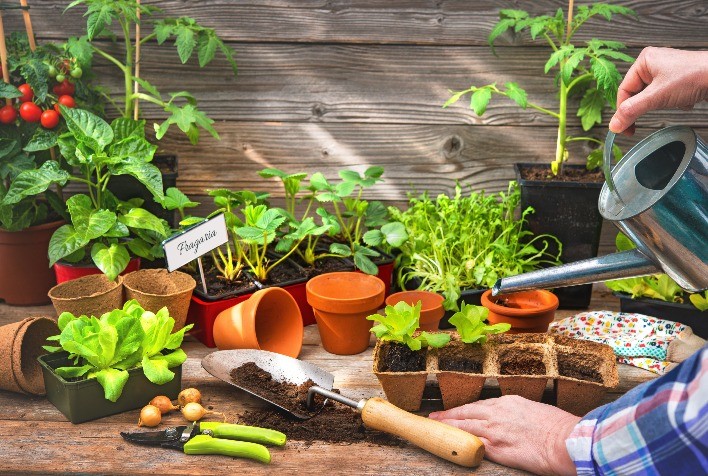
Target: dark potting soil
<point>285,272</point>
<point>395,357</point>
<point>543,173</point>
<point>335,423</point>
<point>327,264</point>
<point>581,366</point>
<point>466,358</point>
<point>217,285</point>
<point>521,361</point>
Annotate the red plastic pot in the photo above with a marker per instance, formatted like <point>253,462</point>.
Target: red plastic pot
<point>67,271</point>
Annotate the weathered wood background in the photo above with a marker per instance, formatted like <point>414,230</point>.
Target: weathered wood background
<point>331,84</point>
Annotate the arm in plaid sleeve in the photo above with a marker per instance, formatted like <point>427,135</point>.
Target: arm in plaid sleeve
<point>659,427</point>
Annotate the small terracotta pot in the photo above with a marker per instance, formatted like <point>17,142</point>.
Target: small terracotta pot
<point>157,288</point>
<point>431,310</point>
<point>91,295</point>
<point>66,271</point>
<point>527,311</point>
<point>269,320</point>
<point>341,302</point>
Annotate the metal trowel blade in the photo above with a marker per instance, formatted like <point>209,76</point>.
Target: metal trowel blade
<point>281,367</point>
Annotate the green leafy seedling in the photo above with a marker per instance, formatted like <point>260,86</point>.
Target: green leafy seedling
<point>399,324</point>
<point>470,324</point>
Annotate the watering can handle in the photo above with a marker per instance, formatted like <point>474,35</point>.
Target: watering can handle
<point>607,165</point>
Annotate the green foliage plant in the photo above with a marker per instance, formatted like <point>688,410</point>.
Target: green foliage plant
<point>107,347</point>
<point>400,322</point>
<point>588,70</point>
<point>189,37</point>
<point>470,324</point>
<point>656,286</point>
<point>467,242</point>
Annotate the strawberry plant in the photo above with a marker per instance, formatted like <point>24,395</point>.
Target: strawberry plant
<point>587,70</point>
<point>470,324</point>
<point>400,323</point>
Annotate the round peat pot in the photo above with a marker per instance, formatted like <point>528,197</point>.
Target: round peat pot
<point>431,310</point>
<point>341,302</point>
<point>157,288</point>
<point>269,320</point>
<point>526,311</point>
<point>67,271</point>
<point>91,295</point>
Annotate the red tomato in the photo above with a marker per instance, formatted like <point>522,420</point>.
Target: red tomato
<point>64,88</point>
<point>27,93</point>
<point>7,114</point>
<point>50,119</point>
<point>65,100</point>
<point>30,112</point>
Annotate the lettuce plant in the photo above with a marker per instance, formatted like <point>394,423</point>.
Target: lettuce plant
<point>471,326</point>
<point>399,324</point>
<point>106,348</point>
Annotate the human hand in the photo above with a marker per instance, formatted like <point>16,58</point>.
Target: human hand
<point>660,78</point>
<point>517,432</point>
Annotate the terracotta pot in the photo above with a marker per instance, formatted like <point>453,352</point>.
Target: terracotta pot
<point>203,314</point>
<point>431,310</point>
<point>91,295</point>
<point>25,275</point>
<point>21,344</point>
<point>269,320</point>
<point>526,311</point>
<point>341,302</point>
<point>157,288</point>
<point>66,271</point>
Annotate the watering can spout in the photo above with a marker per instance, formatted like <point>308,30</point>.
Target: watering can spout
<point>626,264</point>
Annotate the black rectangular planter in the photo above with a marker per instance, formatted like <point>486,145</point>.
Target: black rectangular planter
<point>687,314</point>
<point>84,400</point>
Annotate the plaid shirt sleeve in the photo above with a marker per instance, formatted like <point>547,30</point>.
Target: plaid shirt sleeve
<point>659,427</point>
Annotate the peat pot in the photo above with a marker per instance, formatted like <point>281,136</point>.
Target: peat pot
<point>157,288</point>
<point>91,295</point>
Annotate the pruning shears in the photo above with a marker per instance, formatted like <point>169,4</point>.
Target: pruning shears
<point>213,438</point>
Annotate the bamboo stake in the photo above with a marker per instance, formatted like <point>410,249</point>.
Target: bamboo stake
<point>570,19</point>
<point>28,24</point>
<point>3,58</point>
<point>137,62</point>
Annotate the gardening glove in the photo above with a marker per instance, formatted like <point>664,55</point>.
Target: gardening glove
<point>646,342</point>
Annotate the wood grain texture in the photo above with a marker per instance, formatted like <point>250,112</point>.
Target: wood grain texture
<point>437,22</point>
<point>36,439</point>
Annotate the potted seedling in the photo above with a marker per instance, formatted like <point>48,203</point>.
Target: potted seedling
<point>660,296</point>
<point>401,352</point>
<point>460,364</point>
<point>564,196</point>
<point>460,245</point>
<point>113,363</point>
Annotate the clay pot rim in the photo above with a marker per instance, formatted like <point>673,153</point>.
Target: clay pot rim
<point>189,288</point>
<point>548,296</point>
<point>357,304</point>
<point>34,228</point>
<point>432,295</point>
<point>117,283</point>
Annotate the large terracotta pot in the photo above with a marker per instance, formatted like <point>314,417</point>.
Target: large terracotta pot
<point>66,271</point>
<point>341,302</point>
<point>526,311</point>
<point>431,310</point>
<point>157,288</point>
<point>269,320</point>
<point>91,295</point>
<point>25,275</point>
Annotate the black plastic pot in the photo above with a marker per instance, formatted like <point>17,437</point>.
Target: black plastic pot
<point>126,187</point>
<point>687,314</point>
<point>84,400</point>
<point>568,211</point>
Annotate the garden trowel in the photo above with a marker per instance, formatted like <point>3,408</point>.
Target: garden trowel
<point>443,440</point>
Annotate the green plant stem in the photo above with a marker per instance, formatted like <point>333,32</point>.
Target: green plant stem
<point>583,138</point>
<point>562,118</point>
<point>577,80</point>
<point>128,71</point>
<point>147,38</point>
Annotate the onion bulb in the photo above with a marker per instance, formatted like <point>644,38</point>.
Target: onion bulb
<point>193,411</point>
<point>150,416</point>
<point>163,403</point>
<point>189,395</point>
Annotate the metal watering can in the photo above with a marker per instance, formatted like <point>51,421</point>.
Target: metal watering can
<point>658,196</point>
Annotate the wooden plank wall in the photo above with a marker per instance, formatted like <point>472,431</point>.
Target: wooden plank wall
<point>331,84</point>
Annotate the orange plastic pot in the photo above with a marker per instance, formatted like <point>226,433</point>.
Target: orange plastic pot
<point>526,311</point>
<point>431,310</point>
<point>341,302</point>
<point>269,320</point>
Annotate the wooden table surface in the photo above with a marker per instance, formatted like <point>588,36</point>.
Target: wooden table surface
<point>35,438</point>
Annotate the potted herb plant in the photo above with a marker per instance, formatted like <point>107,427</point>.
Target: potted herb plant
<point>460,364</point>
<point>113,363</point>
<point>563,195</point>
<point>460,245</point>
<point>400,355</point>
<point>660,296</point>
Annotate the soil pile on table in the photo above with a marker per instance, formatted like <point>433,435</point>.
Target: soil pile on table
<point>334,424</point>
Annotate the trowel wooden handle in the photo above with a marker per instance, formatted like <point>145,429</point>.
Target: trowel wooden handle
<point>443,440</point>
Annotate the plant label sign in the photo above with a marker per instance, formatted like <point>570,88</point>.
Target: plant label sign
<point>195,241</point>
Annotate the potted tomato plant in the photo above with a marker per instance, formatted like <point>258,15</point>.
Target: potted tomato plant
<point>564,195</point>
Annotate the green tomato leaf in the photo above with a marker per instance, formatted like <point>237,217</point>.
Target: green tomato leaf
<point>590,110</point>
<point>8,91</point>
<point>516,94</point>
<point>480,99</point>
